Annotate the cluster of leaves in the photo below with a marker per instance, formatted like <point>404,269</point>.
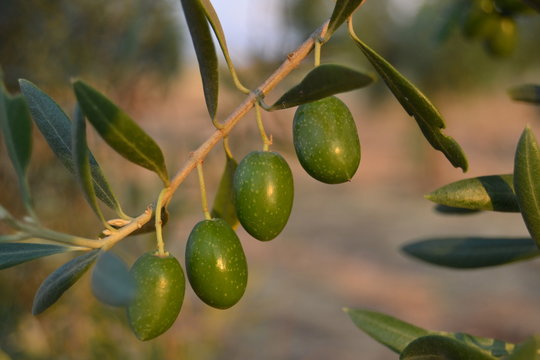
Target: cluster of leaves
<point>511,193</point>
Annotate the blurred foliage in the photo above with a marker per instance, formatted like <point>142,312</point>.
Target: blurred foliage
<point>434,47</point>
<point>115,42</point>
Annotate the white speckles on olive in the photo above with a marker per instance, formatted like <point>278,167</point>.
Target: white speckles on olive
<point>216,264</point>
<point>263,194</point>
<point>160,294</point>
<point>326,140</point>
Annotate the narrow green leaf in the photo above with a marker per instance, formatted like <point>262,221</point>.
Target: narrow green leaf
<point>12,254</point>
<point>16,127</point>
<point>450,210</point>
<point>527,350</point>
<point>342,10</point>
<point>82,163</point>
<point>493,347</point>
<point>492,192</point>
<point>472,252</point>
<point>387,330</point>
<point>19,236</point>
<point>397,334</point>
<point>527,182</point>
<point>323,81</point>
<point>112,282</point>
<point>205,51</point>
<point>437,347</point>
<point>213,18</point>
<point>120,131</point>
<point>417,105</point>
<point>62,279</point>
<point>55,126</point>
<point>224,201</point>
<point>527,93</point>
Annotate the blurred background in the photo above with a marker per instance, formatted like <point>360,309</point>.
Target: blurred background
<point>341,246</point>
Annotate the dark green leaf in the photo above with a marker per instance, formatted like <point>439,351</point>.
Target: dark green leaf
<point>323,81</point>
<point>112,283</point>
<point>489,346</point>
<point>213,18</point>
<point>527,182</point>
<point>527,350</point>
<point>16,127</point>
<point>417,105</point>
<point>55,126</point>
<point>62,279</point>
<point>387,330</point>
<point>472,252</point>
<point>120,131</point>
<point>493,192</point>
<point>82,163</point>
<point>224,201</point>
<point>12,254</point>
<point>342,10</point>
<point>450,210</point>
<point>437,347</point>
<point>205,51</point>
<point>535,4</point>
<point>527,93</point>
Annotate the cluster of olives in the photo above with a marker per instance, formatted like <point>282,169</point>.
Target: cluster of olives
<point>327,145</point>
<point>492,23</point>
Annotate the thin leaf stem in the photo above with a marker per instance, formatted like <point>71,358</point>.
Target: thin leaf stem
<point>159,223</point>
<point>204,201</point>
<point>227,148</point>
<point>266,140</point>
<point>317,52</point>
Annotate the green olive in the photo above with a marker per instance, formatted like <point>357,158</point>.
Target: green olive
<point>263,194</point>
<point>215,263</point>
<point>160,290</point>
<point>326,140</point>
<point>503,40</point>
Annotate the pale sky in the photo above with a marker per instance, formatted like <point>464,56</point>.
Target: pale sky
<point>256,23</point>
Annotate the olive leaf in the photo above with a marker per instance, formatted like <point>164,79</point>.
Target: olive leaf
<point>61,280</point>
<point>437,347</point>
<point>112,282</point>
<point>527,350</point>
<point>387,330</point>
<point>213,18</point>
<point>527,182</point>
<point>224,201</point>
<point>397,334</point>
<point>16,127</point>
<point>12,254</point>
<point>451,210</point>
<point>472,252</point>
<point>417,105</point>
<point>492,192</point>
<point>82,164</point>
<point>55,126</point>
<point>205,51</point>
<point>323,81</point>
<point>342,11</point>
<point>526,93</point>
<point>120,131</point>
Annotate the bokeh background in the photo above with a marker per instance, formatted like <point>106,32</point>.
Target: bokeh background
<point>342,244</point>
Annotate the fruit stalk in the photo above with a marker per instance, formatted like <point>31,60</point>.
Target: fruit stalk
<point>202,186</point>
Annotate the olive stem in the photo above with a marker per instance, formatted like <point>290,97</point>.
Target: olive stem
<point>159,223</point>
<point>227,148</point>
<point>266,141</point>
<point>202,186</point>
<point>317,52</point>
